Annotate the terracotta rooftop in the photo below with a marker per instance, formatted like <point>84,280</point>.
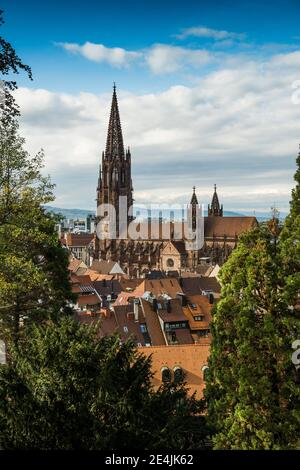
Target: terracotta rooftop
<point>124,298</point>
<point>183,336</point>
<point>195,285</point>
<point>231,226</point>
<point>103,266</point>
<point>82,280</point>
<point>129,283</point>
<point>198,305</point>
<point>158,287</point>
<point>79,239</point>
<point>127,326</point>
<point>175,314</point>
<point>95,276</point>
<point>119,320</point>
<point>74,264</point>
<point>91,299</point>
<point>153,324</point>
<point>107,323</point>
<point>107,287</point>
<point>190,357</point>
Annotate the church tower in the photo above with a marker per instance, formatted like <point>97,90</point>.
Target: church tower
<point>194,205</point>
<point>215,209</point>
<point>115,172</point>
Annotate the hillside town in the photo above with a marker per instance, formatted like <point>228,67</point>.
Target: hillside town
<point>149,294</point>
<point>155,291</point>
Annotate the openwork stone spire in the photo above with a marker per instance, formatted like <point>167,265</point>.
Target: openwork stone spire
<point>194,199</point>
<point>114,143</point>
<point>215,208</point>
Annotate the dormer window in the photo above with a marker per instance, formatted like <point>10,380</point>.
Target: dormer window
<point>199,317</point>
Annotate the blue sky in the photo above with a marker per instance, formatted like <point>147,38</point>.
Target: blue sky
<point>34,28</point>
<point>205,92</point>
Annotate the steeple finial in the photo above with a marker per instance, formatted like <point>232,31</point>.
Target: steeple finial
<point>114,142</point>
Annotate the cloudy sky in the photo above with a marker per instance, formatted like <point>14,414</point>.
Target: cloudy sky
<point>209,92</point>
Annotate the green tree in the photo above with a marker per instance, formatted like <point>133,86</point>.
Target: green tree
<point>252,394</point>
<point>34,281</point>
<point>65,388</point>
<point>290,247</point>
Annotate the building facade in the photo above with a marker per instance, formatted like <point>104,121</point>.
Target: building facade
<point>139,255</point>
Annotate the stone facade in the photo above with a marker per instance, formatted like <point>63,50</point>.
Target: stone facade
<point>155,251</point>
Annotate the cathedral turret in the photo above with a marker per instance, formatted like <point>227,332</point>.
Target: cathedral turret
<point>115,178</point>
<point>215,209</point>
<point>194,200</point>
<point>194,204</point>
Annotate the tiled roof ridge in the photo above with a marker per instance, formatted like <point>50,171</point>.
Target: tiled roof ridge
<point>188,345</point>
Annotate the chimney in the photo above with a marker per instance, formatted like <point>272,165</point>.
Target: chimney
<point>169,306</point>
<point>211,298</point>
<point>154,304</point>
<point>136,309</point>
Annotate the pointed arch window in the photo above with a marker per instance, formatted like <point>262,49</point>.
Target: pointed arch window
<point>166,375</point>
<point>178,374</point>
<point>205,370</point>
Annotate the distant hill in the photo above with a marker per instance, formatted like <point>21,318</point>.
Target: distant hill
<point>70,213</point>
<point>83,213</point>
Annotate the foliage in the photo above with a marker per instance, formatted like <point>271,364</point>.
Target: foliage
<point>64,388</point>
<point>252,391</point>
<point>34,280</point>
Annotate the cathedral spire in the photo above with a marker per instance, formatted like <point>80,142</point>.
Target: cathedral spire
<point>215,208</point>
<point>193,209</point>
<point>194,199</point>
<point>114,142</point>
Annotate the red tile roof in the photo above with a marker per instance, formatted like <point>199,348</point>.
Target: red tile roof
<point>230,226</point>
<point>169,286</point>
<point>91,299</point>
<point>124,298</point>
<point>153,324</point>
<point>195,285</point>
<point>83,280</point>
<point>198,305</point>
<point>79,239</point>
<point>74,264</point>
<point>175,314</point>
<point>127,326</point>
<point>183,336</point>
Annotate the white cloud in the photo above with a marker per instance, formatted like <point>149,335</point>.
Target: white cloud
<point>291,59</point>
<point>115,56</point>
<point>237,127</point>
<point>162,58</point>
<point>204,32</point>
